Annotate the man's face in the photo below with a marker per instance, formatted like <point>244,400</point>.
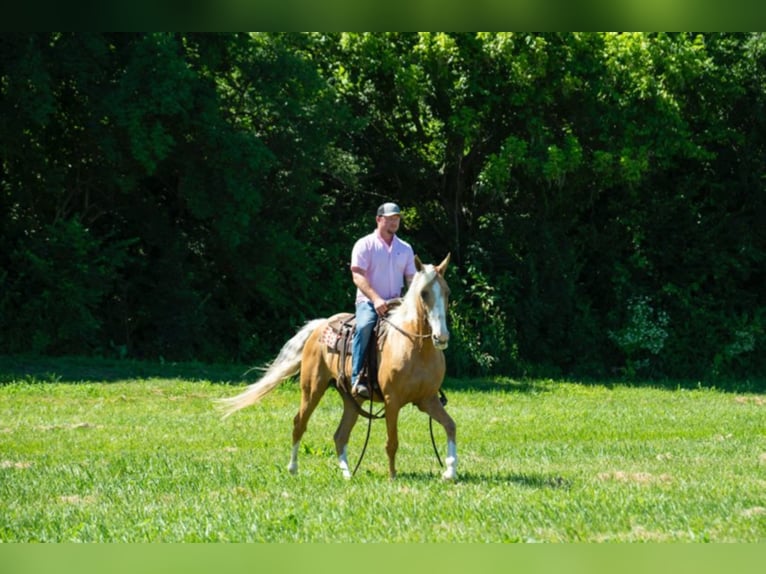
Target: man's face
<point>389,223</point>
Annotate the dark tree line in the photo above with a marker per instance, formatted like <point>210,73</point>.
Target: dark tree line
<point>196,196</point>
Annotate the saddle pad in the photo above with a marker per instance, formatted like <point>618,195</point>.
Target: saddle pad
<point>337,333</point>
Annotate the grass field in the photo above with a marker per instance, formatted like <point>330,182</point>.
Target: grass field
<point>98,451</point>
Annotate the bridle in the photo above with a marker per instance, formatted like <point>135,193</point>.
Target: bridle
<point>412,336</point>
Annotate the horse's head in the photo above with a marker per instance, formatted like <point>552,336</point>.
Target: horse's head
<point>433,293</point>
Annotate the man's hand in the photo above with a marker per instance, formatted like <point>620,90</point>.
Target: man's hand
<point>381,307</point>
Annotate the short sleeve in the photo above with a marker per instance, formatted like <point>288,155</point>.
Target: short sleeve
<point>360,256</point>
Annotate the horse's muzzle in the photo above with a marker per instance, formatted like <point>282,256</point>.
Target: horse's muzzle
<point>441,342</point>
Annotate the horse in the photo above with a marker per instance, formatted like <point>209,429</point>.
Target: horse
<point>411,368</point>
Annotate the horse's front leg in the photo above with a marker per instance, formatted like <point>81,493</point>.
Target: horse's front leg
<point>434,408</point>
<point>392,444</point>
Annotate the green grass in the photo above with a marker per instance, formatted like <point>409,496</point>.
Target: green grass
<point>120,457</point>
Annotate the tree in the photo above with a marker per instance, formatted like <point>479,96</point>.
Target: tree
<point>197,195</point>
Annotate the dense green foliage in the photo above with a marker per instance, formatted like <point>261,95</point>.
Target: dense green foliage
<point>197,195</point>
<point>147,459</point>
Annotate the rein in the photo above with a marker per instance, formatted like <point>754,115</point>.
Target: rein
<point>442,399</point>
<point>403,332</point>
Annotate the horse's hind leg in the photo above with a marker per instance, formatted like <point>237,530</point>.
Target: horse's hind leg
<point>434,408</point>
<point>312,390</point>
<point>342,434</point>
<point>392,444</point>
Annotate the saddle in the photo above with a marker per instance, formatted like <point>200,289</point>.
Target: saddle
<point>338,337</point>
<point>339,333</point>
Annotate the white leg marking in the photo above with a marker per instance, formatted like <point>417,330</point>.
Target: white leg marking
<point>343,461</point>
<point>451,462</point>
<point>293,466</point>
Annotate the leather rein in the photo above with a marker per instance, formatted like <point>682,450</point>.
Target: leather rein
<point>403,332</point>
<point>384,318</point>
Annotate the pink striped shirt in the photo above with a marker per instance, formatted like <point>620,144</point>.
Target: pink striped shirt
<point>384,267</point>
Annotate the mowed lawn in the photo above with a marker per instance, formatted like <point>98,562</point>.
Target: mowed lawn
<point>102,452</point>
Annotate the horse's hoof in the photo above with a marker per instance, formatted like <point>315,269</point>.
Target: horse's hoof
<point>292,468</point>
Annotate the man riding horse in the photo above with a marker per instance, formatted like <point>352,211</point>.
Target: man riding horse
<point>380,264</point>
<point>410,363</point>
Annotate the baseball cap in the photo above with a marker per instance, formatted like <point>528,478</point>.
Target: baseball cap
<point>389,209</point>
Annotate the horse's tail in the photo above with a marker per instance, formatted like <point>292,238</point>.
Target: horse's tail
<point>287,364</point>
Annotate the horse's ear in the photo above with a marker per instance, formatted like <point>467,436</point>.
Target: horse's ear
<point>418,263</point>
<point>442,267</point>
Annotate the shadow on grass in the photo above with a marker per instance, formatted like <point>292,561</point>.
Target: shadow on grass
<point>529,480</point>
<point>543,385</point>
<point>497,385</point>
<point>89,370</point>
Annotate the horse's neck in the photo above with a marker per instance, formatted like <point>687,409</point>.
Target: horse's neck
<point>411,316</point>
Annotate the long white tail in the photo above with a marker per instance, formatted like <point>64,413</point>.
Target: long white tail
<point>287,364</point>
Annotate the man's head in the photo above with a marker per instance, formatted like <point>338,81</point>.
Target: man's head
<point>388,218</point>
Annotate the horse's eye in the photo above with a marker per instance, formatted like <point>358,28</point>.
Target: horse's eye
<point>424,293</point>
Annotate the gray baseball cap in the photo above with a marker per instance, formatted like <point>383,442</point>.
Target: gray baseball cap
<point>389,209</point>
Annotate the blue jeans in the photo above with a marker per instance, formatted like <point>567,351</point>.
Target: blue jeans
<point>366,317</point>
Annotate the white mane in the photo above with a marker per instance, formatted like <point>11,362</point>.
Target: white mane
<point>408,310</point>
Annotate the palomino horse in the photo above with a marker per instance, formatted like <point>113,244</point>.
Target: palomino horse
<point>411,369</point>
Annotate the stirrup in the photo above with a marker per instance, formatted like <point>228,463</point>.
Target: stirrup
<point>360,389</point>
